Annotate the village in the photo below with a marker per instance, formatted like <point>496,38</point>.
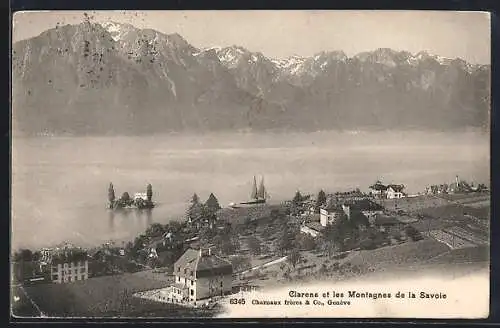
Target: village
<point>192,265</point>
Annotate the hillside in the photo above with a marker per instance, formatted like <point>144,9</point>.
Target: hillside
<point>117,79</point>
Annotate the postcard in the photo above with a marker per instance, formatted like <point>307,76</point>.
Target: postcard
<point>250,164</point>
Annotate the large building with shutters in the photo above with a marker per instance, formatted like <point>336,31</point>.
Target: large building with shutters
<point>200,274</point>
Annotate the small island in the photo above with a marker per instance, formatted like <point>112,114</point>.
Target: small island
<point>139,201</point>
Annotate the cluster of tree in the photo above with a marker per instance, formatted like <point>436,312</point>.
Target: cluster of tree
<point>344,234</point>
<point>320,200</point>
<point>240,263</point>
<point>25,255</point>
<point>297,205</point>
<point>202,211</point>
<point>413,233</point>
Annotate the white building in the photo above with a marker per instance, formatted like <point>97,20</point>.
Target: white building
<point>395,191</point>
<point>140,195</point>
<point>329,214</point>
<point>199,274</point>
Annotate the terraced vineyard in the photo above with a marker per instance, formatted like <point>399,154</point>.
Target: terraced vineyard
<point>476,239</point>
<point>404,254</point>
<point>450,240</point>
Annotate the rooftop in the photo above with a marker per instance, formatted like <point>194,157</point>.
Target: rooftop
<point>396,187</point>
<point>314,225</point>
<point>386,220</point>
<point>378,186</point>
<point>201,260</point>
<point>364,205</point>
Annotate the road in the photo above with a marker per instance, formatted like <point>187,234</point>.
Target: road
<point>263,265</point>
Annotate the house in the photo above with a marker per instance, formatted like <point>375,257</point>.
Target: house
<point>140,196</point>
<point>365,206</point>
<point>200,274</point>
<point>378,190</point>
<point>312,228</point>
<point>329,214</point>
<point>386,223</point>
<point>69,265</point>
<point>395,191</point>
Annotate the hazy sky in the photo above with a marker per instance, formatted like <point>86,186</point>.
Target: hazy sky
<point>284,33</point>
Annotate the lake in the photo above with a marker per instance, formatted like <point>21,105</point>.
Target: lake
<point>59,185</point>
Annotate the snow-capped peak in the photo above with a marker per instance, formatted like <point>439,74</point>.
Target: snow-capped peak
<point>289,62</point>
<point>230,56</point>
<point>117,30</point>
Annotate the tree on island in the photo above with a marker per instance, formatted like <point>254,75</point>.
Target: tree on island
<point>321,200</point>
<point>125,197</point>
<point>149,192</point>
<point>111,193</point>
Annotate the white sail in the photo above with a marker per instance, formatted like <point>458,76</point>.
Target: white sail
<point>261,193</point>
<point>254,189</point>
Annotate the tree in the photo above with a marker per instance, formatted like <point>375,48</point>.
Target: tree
<point>227,246</point>
<point>321,200</point>
<point>125,197</point>
<point>305,242</point>
<point>413,233</point>
<point>155,230</point>
<point>194,211</point>
<point>195,200</point>
<point>254,245</point>
<point>212,204</point>
<point>297,198</point>
<point>241,263</point>
<point>294,257</point>
<point>149,192</point>
<point>111,193</point>
<point>338,231</point>
<point>23,255</point>
<point>286,240</point>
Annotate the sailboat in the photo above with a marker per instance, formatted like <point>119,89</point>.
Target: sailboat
<point>257,196</point>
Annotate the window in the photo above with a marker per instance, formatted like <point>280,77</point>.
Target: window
<point>179,269</point>
<point>192,292</point>
<point>191,273</point>
<point>221,283</point>
<point>185,270</point>
<point>192,282</point>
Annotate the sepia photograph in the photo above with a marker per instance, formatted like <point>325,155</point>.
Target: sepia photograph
<point>250,164</point>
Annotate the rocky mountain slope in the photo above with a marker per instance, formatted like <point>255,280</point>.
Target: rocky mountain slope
<point>117,79</point>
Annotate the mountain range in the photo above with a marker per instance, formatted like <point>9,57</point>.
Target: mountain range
<point>113,78</point>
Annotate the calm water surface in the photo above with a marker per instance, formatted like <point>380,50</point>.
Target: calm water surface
<point>59,185</point>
